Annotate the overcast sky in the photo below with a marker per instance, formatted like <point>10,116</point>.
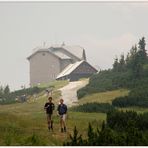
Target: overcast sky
<point>103,29</point>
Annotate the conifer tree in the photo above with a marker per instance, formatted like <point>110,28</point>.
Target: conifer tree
<point>1,92</point>
<point>121,67</point>
<point>115,64</point>
<point>75,140</point>
<point>141,46</point>
<point>133,51</point>
<point>6,90</point>
<point>91,135</point>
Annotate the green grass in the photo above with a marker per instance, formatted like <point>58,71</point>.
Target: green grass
<point>137,109</point>
<point>25,123</point>
<point>103,97</point>
<point>19,126</point>
<point>56,84</point>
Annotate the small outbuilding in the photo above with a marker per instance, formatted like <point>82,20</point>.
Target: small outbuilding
<point>74,72</point>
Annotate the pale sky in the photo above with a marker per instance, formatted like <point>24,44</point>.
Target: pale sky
<point>104,29</point>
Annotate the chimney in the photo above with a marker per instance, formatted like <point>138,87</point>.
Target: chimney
<point>84,55</point>
<point>63,44</point>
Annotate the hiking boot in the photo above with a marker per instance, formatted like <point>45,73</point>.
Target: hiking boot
<point>52,125</point>
<point>64,129</point>
<point>49,128</point>
<point>52,128</point>
<point>61,130</point>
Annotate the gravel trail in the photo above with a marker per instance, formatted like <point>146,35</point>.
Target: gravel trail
<point>69,92</point>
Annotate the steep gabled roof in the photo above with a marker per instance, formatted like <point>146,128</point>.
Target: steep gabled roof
<point>75,50</point>
<point>41,50</point>
<point>60,54</point>
<point>70,68</point>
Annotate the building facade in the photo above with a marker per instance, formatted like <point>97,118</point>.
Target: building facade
<point>77,70</point>
<point>46,64</point>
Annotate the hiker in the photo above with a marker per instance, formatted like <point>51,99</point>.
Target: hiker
<point>49,107</point>
<point>62,110</point>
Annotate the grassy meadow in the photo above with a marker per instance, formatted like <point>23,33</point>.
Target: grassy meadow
<point>25,123</point>
<point>20,123</point>
<point>103,97</point>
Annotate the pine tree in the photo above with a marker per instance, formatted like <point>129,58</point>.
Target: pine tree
<point>127,58</point>
<point>141,46</point>
<point>130,61</point>
<point>135,62</point>
<point>133,51</point>
<point>75,140</point>
<point>116,64</point>
<point>91,136</point>
<point>121,63</point>
<point>1,92</point>
<point>6,90</point>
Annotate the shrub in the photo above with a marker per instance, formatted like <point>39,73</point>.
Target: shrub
<point>121,120</point>
<point>75,139</point>
<point>130,72</point>
<point>10,98</point>
<point>33,140</point>
<point>94,107</point>
<point>137,97</point>
<point>105,81</point>
<point>121,129</point>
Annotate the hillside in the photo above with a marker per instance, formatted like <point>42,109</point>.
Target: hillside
<point>114,103</point>
<point>130,73</point>
<point>103,97</point>
<point>25,123</point>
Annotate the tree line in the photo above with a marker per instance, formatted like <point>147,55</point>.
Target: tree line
<point>4,93</point>
<point>136,97</point>
<point>8,97</point>
<point>93,107</point>
<point>130,71</point>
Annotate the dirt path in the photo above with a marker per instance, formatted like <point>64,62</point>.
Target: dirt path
<point>69,92</point>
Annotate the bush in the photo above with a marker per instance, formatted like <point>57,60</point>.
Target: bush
<point>121,129</point>
<point>137,97</point>
<point>93,107</point>
<point>105,81</point>
<point>33,140</point>
<point>130,72</point>
<point>120,121</point>
<point>10,98</point>
<point>75,140</point>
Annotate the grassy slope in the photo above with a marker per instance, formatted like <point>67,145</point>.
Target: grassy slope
<point>103,97</point>
<point>56,84</point>
<point>108,97</point>
<point>20,121</point>
<point>137,109</point>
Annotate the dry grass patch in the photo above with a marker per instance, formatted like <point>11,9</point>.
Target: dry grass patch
<point>103,97</point>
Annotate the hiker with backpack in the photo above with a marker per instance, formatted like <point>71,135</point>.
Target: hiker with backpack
<point>62,110</point>
<point>49,107</point>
